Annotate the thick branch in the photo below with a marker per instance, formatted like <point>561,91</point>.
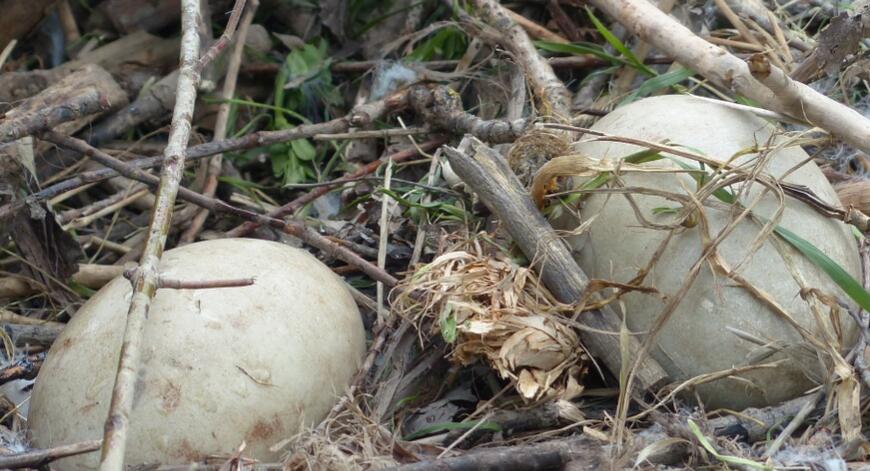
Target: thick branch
<point>547,87</point>
<point>88,91</point>
<point>488,173</point>
<point>726,70</point>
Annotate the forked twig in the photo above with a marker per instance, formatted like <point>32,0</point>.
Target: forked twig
<point>144,286</point>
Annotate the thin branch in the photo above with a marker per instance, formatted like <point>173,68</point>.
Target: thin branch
<point>220,128</point>
<point>225,38</point>
<point>294,228</point>
<point>144,287</point>
<point>358,117</point>
<point>40,458</point>
<point>371,133</point>
<point>293,206</point>
<point>547,87</point>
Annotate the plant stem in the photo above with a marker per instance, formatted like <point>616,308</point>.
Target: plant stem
<point>117,426</point>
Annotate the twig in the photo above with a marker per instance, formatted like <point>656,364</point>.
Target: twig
<point>89,91</point>
<point>89,275</point>
<point>163,282</point>
<point>24,368</point>
<point>384,235</point>
<point>220,127</point>
<point>359,116</point>
<point>144,287</point>
<point>795,422</point>
<point>34,335</point>
<point>89,240</point>
<point>359,67</point>
<point>294,228</point>
<point>225,38</point>
<point>7,51</point>
<point>69,215</point>
<point>68,22</point>
<point>546,86</point>
<point>535,29</point>
<point>40,458</point>
<point>726,70</point>
<point>111,208</point>
<point>539,456</point>
<point>301,201</point>
<point>488,173</point>
<point>442,109</point>
<point>381,133</point>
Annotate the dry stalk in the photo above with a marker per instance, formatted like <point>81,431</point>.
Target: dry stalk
<point>144,286</point>
<point>357,117</point>
<point>41,458</point>
<point>850,215</point>
<point>555,98</point>
<point>727,70</point>
<point>294,228</point>
<point>220,128</point>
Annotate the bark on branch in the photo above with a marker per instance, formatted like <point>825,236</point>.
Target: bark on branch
<point>488,173</point>
<point>727,70</point>
<point>144,287</point>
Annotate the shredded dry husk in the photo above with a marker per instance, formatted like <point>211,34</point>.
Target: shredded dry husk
<point>490,308</point>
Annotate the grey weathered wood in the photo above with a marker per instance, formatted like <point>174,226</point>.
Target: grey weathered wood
<point>489,175</point>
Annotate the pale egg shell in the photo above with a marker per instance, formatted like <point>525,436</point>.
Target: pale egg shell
<point>699,337</point>
<point>219,366</point>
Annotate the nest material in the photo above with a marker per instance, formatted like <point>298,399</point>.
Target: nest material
<point>347,440</point>
<point>493,309</point>
<point>534,149</point>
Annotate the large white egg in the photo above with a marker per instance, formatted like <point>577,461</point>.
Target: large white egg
<point>711,328</point>
<point>219,366</point>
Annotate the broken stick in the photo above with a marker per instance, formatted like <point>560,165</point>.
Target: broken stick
<point>499,189</point>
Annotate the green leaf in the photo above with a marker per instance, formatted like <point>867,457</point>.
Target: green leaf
<point>279,161</point>
<point>447,324</point>
<point>447,426</point>
<point>619,46</point>
<point>239,183</point>
<point>641,157</point>
<point>449,43</point>
<point>445,209</point>
<point>747,101</point>
<point>657,83</point>
<point>81,289</point>
<point>303,149</point>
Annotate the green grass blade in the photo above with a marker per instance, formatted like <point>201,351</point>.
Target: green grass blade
<point>581,49</point>
<point>619,46</point>
<point>654,84</point>
<point>837,274</point>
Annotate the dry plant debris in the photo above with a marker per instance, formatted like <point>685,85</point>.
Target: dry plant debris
<point>488,307</point>
<point>346,126</point>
